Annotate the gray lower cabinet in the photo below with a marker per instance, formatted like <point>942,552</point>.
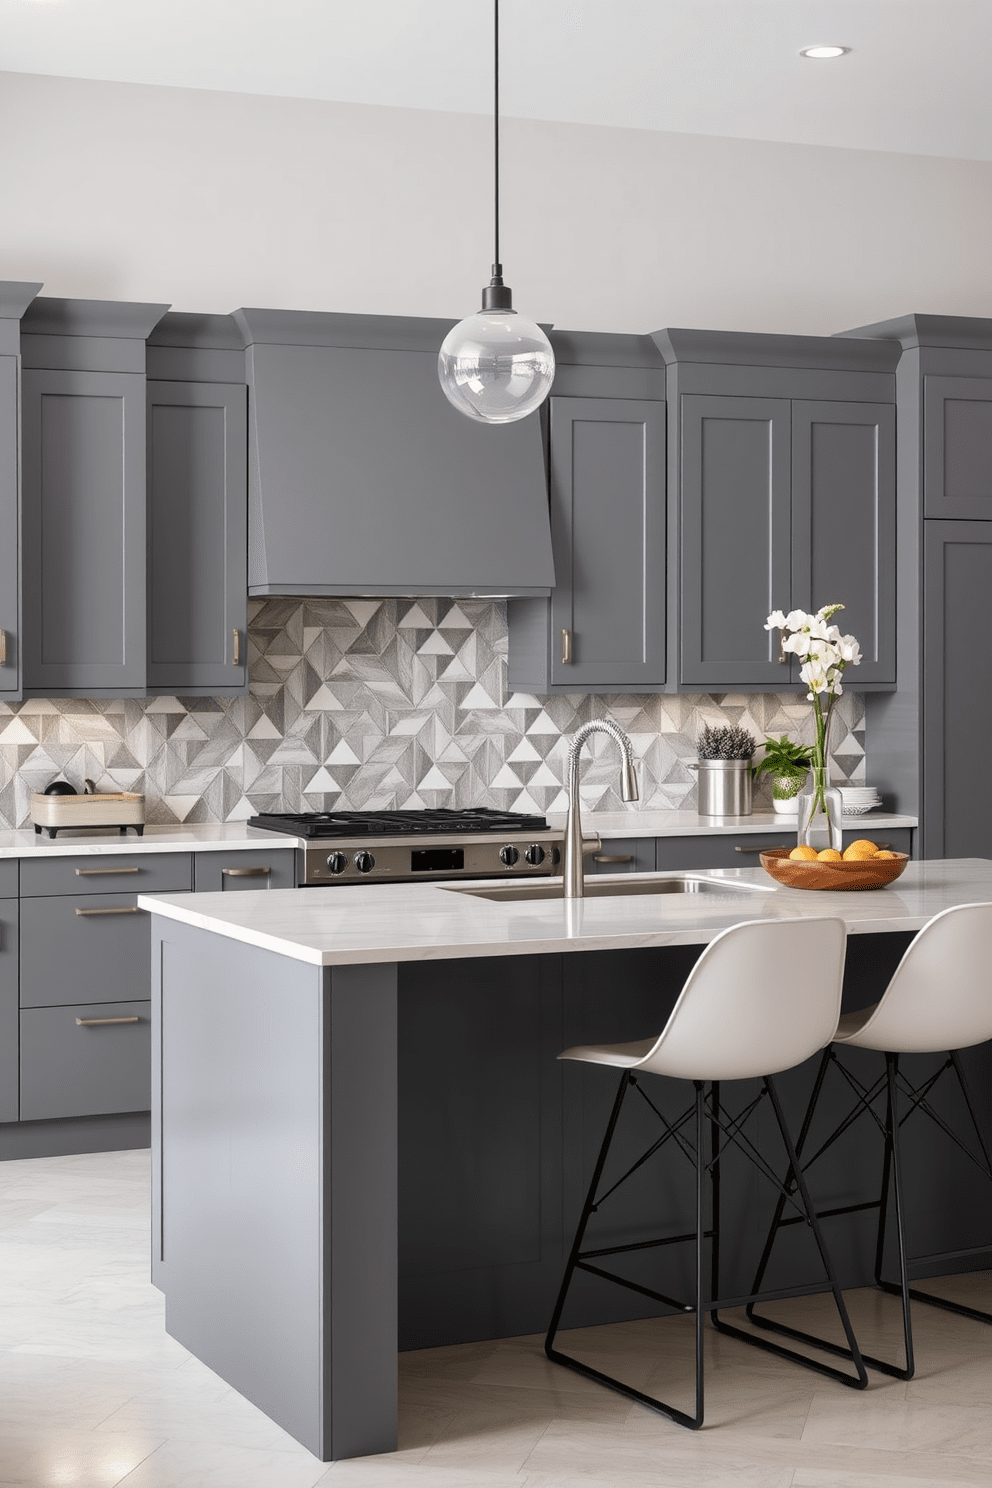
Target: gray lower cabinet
<point>957,689</point>
<point>90,1059</point>
<point>197,451</point>
<point>84,967</point>
<point>604,625</point>
<point>742,851</point>
<point>8,1003</point>
<point>623,855</point>
<point>216,872</point>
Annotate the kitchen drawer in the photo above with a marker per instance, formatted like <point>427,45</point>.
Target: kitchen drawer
<point>101,954</point>
<point>8,878</point>
<point>89,1070</point>
<point>216,872</point>
<point>743,851</point>
<point>8,1009</point>
<point>623,855</point>
<point>148,873</point>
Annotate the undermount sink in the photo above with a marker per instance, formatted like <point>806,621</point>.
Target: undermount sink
<point>598,889</point>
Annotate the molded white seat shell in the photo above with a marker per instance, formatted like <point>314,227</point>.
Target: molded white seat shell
<point>764,996</point>
<point>940,995</point>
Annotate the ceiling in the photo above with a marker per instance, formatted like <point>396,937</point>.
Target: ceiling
<point>915,81</point>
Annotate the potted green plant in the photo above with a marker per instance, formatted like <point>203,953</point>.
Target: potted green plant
<point>789,763</point>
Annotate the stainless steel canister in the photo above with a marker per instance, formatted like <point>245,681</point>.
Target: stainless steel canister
<point>724,787</point>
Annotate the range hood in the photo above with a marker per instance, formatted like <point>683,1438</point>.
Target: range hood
<point>364,480</point>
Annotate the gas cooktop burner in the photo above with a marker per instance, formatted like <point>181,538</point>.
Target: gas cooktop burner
<point>396,823</point>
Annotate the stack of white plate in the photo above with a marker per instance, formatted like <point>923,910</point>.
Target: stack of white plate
<point>858,799</point>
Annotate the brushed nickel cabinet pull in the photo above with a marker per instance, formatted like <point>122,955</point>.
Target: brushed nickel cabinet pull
<point>236,650</point>
<point>3,648</point>
<point>101,1022</point>
<point>613,857</point>
<point>566,647</point>
<point>124,909</point>
<point>245,872</point>
<point>783,658</point>
<point>99,872</point>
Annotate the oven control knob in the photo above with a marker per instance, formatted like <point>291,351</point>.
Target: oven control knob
<point>337,862</point>
<point>364,862</point>
<point>555,856</point>
<point>534,854</point>
<point>508,855</point>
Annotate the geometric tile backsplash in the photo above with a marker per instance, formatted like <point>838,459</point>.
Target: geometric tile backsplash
<point>364,703</point>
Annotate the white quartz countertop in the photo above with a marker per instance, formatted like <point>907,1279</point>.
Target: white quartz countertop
<point>350,925</point>
<point>688,824</point>
<point>209,837</point>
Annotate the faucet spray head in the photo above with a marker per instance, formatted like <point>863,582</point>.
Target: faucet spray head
<point>628,780</point>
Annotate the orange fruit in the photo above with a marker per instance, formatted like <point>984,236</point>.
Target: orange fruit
<point>803,854</point>
<point>858,852</point>
<point>829,855</point>
<point>886,855</point>
<point>868,849</point>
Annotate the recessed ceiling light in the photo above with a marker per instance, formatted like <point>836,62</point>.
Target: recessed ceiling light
<point>823,53</point>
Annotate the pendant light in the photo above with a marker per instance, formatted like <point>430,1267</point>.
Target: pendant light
<point>496,366</point>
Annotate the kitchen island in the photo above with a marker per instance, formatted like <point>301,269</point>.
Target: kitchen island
<point>361,1134</point>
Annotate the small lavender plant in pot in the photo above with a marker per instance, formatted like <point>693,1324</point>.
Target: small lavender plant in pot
<point>724,766</point>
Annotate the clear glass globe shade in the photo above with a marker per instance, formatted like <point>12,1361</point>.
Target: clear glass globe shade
<point>496,366</point>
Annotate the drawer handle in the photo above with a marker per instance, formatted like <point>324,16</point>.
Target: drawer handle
<point>236,647</point>
<point>613,857</point>
<point>125,909</point>
<point>101,1022</point>
<point>3,648</point>
<point>98,872</point>
<point>245,872</point>
<point>566,647</point>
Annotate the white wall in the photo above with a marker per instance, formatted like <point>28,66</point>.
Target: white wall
<point>215,200</point>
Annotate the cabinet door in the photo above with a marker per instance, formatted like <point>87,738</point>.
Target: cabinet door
<point>88,1060</point>
<point>957,447</point>
<point>197,537</point>
<point>9,534</point>
<point>79,950</point>
<point>607,525</point>
<point>736,539</point>
<point>84,532</point>
<point>623,855</point>
<point>844,525</point>
<point>957,690</point>
<point>8,1010</point>
<point>217,872</point>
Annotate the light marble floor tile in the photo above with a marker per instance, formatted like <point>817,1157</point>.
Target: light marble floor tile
<point>94,1394</point>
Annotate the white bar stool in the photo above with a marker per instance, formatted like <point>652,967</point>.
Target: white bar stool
<point>764,996</point>
<point>939,999</point>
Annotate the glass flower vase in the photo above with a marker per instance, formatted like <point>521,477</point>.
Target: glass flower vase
<point>819,805</point>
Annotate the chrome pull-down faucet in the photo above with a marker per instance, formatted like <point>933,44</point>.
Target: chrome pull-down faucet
<point>576,845</point>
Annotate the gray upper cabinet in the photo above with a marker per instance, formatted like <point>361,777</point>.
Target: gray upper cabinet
<point>781,474</point>
<point>8,1000</point>
<point>735,538</point>
<point>957,444</point>
<point>604,626</point>
<point>84,532</point>
<point>14,300</point>
<point>844,525</point>
<point>197,537</point>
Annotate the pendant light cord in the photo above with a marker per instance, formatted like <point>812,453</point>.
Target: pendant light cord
<point>497,266</point>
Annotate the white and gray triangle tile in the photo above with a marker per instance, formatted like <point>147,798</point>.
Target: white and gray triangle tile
<point>378,703</point>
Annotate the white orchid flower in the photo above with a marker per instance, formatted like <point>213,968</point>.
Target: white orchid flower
<point>798,620</point>
<point>828,611</point>
<point>850,651</point>
<point>775,621</point>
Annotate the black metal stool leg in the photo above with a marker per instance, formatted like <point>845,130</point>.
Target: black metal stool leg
<point>852,1352</point>
<point>694,1421</point>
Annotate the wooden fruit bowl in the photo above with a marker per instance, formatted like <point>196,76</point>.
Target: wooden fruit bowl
<point>865,873</point>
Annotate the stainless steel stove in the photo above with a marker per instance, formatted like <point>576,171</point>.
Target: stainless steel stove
<point>402,846</point>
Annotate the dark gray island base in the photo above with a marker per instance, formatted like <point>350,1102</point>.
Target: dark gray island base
<point>348,1158</point>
